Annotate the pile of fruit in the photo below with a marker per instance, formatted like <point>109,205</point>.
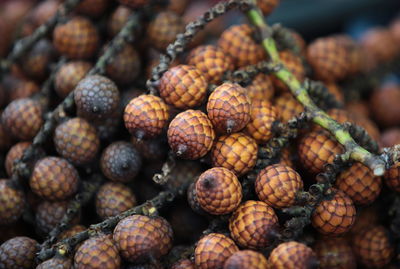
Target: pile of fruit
<point>129,140</point>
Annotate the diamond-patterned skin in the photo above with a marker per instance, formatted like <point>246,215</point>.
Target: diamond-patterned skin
<point>261,88</point>
<point>36,61</point>
<point>213,250</point>
<point>212,61</point>
<point>165,241</point>
<point>193,201</point>
<point>18,253</point>
<point>335,253</point>
<point>380,44</point>
<point>267,6</point>
<point>92,8</point>
<point>113,199</point>
<point>237,41</point>
<point>183,264</point>
<point>77,141</point>
<point>54,179</point>
<point>146,116</point>
<point>12,203</point>
<point>183,86</point>
<point>292,63</point>
<point>316,149</point>
<point>354,51</point>
<point>56,263</point>
<point>336,216</point>
<point>229,108</point>
<point>118,19</point>
<point>120,162</point>
<point>191,134</point>
<point>359,183</point>
<point>372,247</point>
<point>292,255</point>
<point>392,177</point>
<point>253,225</point>
<point>277,185</point>
<point>288,107</point>
<point>329,59</point>
<point>263,115</point>
<point>15,153</point>
<point>71,231</point>
<point>22,89</point>
<point>236,152</point>
<point>23,118</point>
<point>248,259</point>
<point>134,3</point>
<point>163,29</point>
<point>124,67</point>
<point>69,75</point>
<point>218,191</point>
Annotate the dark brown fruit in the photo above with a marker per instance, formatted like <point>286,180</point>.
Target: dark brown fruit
<point>12,203</point>
<point>288,107</point>
<point>392,177</point>
<point>18,253</point>
<point>267,6</point>
<point>124,67</point>
<point>229,108</point>
<point>237,41</point>
<point>218,191</point>
<point>36,62</point>
<point>261,88</point>
<point>380,44</point>
<point>134,3</point>
<point>69,75</point>
<point>54,179</point>
<point>335,253</point>
<point>113,199</point>
<point>193,201</point>
<point>76,140</point>
<point>183,264</point>
<point>390,137</point>
<point>71,231</point>
<point>23,118</point>
<point>117,19</point>
<point>277,185</point>
<point>76,39</point>
<point>120,162</point>
<point>92,8</point>
<point>152,149</point>
<point>372,247</point>
<point>44,11</point>
<point>236,152</point>
<point>97,252</point>
<point>146,116</point>
<point>163,29</point>
<point>253,225</point>
<point>384,105</point>
<point>15,153</point>
<point>191,134</point>
<point>292,63</point>
<point>22,89</point>
<point>57,262</point>
<point>5,138</point>
<point>246,259</point>
<point>213,250</point>
<point>292,255</point>
<point>336,216</point>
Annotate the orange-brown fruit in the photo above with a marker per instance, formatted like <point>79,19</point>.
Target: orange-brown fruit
<point>316,149</point>
<point>146,116</point>
<point>12,203</point>
<point>359,108</point>
<point>134,3</point>
<point>18,253</point>
<point>76,39</point>
<point>390,137</point>
<point>394,29</point>
<point>22,88</point>
<point>211,61</point>
<point>97,252</point>
<point>246,259</point>
<point>113,199</point>
<point>56,262</point>
<point>253,225</point>
<point>238,42</point>
<point>140,238</point>
<point>23,118</point>
<point>277,185</point>
<point>372,247</point>
<point>236,152</point>
<point>228,108</point>
<point>334,89</point>
<point>359,183</point>
<point>163,29</point>
<point>35,63</point>
<point>183,86</point>
<point>288,107</point>
<point>334,216</point>
<point>267,6</point>
<point>292,255</point>
<point>213,250</point>
<point>368,125</point>
<point>329,59</point>
<point>191,134</point>
<point>392,177</point>
<point>72,231</point>
<point>117,20</point>
<point>183,264</point>
<point>92,8</point>
<point>262,118</point>
<point>77,141</point>
<point>335,253</point>
<point>292,63</point>
<point>380,44</point>
<point>261,88</point>
<point>15,153</point>
<point>384,105</point>
<point>69,75</point>
<point>218,191</point>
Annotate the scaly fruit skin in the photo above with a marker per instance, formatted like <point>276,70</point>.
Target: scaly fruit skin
<point>191,134</point>
<point>253,225</point>
<point>124,67</point>
<point>58,263</point>
<point>54,179</point>
<point>277,185</point>
<point>69,75</point>
<point>213,250</point>
<point>236,152</point>
<point>12,203</point>
<point>246,259</point>
<point>18,253</point>
<point>372,247</point>
<point>183,86</point>
<point>211,61</point>
<point>335,253</point>
<point>183,264</point>
<point>267,6</point>
<point>146,116</point>
<point>35,63</point>
<point>71,231</point>
<point>218,191</point>
<point>292,255</point>
<point>15,153</point>
<point>97,252</point>
<point>392,177</point>
<point>117,20</point>
<point>22,89</point>
<point>288,107</point>
<point>261,88</point>
<point>228,108</point>
<point>336,216</point>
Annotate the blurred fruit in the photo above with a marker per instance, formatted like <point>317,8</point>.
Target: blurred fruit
<point>261,88</point>
<point>292,255</point>
<point>117,19</point>
<point>22,88</point>
<point>12,203</point>
<point>383,105</point>
<point>335,253</point>
<point>380,44</point>
<point>267,6</point>
<point>288,107</point>
<point>18,253</point>
<point>335,90</point>
<point>92,8</point>
<point>390,137</point>
<point>392,177</point>
<point>14,154</point>
<point>57,262</point>
<point>75,229</point>
<point>134,3</point>
<point>246,259</point>
<point>35,63</point>
<point>69,75</point>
